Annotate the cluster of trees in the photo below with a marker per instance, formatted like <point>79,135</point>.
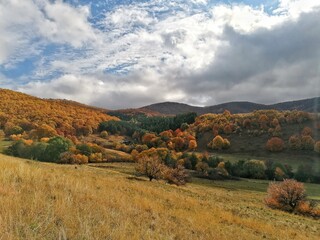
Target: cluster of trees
<point>143,123</point>
<point>174,140</point>
<point>218,143</point>
<point>57,149</point>
<point>265,122</point>
<point>258,169</point>
<point>304,141</point>
<point>43,151</point>
<point>290,196</point>
<point>122,128</point>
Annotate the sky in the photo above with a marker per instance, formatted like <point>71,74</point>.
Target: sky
<point>132,53</point>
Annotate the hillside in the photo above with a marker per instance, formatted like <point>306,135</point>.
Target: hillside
<point>171,108</point>
<point>20,112</point>
<point>108,202</point>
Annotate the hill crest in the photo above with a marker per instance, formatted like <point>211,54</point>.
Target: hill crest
<point>172,108</point>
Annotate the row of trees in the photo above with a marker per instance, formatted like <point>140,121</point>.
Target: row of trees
<point>296,142</point>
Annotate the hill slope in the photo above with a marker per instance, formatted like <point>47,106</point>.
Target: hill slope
<point>171,108</point>
<point>63,202</point>
<point>66,117</point>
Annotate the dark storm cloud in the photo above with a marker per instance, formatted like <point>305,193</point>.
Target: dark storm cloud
<point>264,66</point>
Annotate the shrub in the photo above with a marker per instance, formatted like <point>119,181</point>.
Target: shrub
<point>306,131</point>
<point>309,208</point>
<point>226,144</point>
<point>263,120</point>
<point>275,122</point>
<point>104,134</point>
<point>246,123</point>
<point>178,176</point>
<point>295,142</point>
<point>219,143</point>
<point>192,145</point>
<point>202,167</point>
<point>307,142</point>
<point>11,129</point>
<point>255,169</point>
<point>275,144</point>
<point>221,169</point>
<point>227,129</point>
<point>286,195</point>
<point>96,157</point>
<point>84,149</point>
<point>55,147</point>
<point>213,161</point>
<point>71,158</point>
<point>279,174</point>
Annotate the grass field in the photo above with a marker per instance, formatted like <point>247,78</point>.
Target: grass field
<point>48,201</point>
<point>4,145</point>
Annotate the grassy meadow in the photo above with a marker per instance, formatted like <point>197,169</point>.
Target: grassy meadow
<point>106,201</point>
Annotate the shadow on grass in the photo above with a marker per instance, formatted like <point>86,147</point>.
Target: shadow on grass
<point>136,179</point>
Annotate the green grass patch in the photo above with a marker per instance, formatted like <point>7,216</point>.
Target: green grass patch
<point>313,190</point>
<point>4,144</point>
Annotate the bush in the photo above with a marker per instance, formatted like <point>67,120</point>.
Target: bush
<point>295,142</point>
<point>306,132</point>
<point>307,142</point>
<point>55,147</point>
<point>275,144</point>
<point>84,149</point>
<point>286,195</point>
<point>202,167</point>
<point>290,196</point>
<point>255,169</point>
<point>70,158</point>
<point>104,134</point>
<point>178,176</point>
<point>219,143</point>
<point>192,145</point>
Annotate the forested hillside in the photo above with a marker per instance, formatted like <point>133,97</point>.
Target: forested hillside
<point>24,114</point>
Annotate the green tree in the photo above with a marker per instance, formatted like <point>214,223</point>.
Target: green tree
<point>56,146</point>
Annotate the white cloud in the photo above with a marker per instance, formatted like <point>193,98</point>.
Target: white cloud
<point>161,50</point>
<point>294,8</point>
<point>26,25</point>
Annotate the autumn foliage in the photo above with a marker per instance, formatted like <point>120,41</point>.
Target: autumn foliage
<point>47,118</point>
<point>286,195</point>
<point>290,196</point>
<point>150,166</point>
<point>219,143</point>
<point>275,144</point>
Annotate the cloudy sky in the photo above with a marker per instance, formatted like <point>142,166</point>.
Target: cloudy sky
<point>131,53</point>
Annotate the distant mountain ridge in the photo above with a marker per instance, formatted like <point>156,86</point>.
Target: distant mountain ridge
<point>172,108</point>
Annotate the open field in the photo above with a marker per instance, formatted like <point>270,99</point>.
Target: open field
<point>45,201</point>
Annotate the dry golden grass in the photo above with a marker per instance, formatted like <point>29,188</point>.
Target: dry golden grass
<point>47,201</point>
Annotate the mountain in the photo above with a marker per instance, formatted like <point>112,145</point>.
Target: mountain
<point>172,108</point>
